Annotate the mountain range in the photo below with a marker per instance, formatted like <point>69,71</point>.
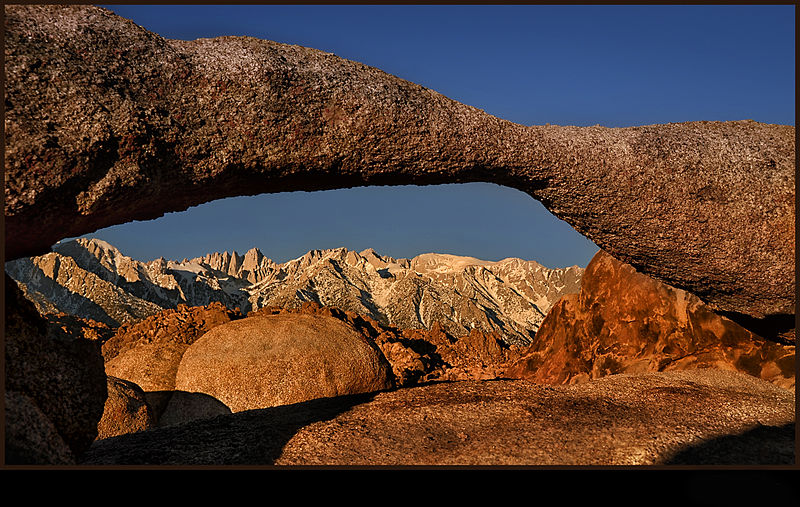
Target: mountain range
<point>91,278</point>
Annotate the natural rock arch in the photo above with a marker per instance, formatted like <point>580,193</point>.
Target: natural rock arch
<point>108,123</point>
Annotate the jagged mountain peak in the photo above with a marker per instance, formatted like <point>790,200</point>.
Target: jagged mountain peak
<point>96,247</point>
<point>254,252</point>
<point>459,293</point>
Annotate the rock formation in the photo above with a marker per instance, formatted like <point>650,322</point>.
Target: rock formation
<point>126,410</point>
<point>92,279</point>
<point>267,361</point>
<point>423,355</point>
<point>148,352</point>
<point>107,123</point>
<point>701,417</point>
<point>54,382</point>
<point>626,322</point>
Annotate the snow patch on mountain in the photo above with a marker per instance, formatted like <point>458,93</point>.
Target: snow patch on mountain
<point>510,296</point>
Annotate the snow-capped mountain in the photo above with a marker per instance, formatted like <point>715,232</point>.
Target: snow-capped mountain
<point>90,278</point>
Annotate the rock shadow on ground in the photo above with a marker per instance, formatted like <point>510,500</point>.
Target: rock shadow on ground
<point>254,437</point>
<point>757,446</point>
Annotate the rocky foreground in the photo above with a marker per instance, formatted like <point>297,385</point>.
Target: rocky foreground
<point>624,358</point>
<point>692,417</point>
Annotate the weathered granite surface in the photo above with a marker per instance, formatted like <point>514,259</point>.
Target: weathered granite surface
<point>107,123</point>
<point>55,384</point>
<point>275,360</point>
<point>691,417</point>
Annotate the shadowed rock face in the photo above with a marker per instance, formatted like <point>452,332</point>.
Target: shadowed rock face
<point>55,384</point>
<point>107,123</point>
<point>126,410</point>
<point>30,436</point>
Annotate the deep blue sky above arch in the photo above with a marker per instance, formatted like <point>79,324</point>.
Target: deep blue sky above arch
<point>532,64</point>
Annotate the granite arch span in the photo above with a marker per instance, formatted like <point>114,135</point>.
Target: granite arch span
<point>108,123</point>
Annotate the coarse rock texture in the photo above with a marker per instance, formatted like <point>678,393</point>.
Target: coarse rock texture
<point>148,352</point>
<point>625,322</point>
<point>273,360</point>
<point>30,437</point>
<point>422,355</point>
<point>691,417</point>
<point>61,375</point>
<point>77,327</point>
<point>107,123</point>
<point>178,407</point>
<point>126,410</point>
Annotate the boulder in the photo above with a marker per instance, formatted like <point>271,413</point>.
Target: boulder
<point>30,437</point>
<point>108,123</point>
<point>148,352</point>
<point>62,376</point>
<point>697,417</point>
<point>274,360</point>
<point>624,322</point>
<point>182,407</point>
<point>126,410</point>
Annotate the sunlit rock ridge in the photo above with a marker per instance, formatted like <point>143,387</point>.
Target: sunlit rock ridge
<point>93,279</point>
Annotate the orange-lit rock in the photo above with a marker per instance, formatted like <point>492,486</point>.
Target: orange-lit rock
<point>148,352</point>
<point>625,322</point>
<point>275,360</point>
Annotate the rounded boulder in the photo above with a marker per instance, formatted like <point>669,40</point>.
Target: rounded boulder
<point>126,410</point>
<point>274,360</point>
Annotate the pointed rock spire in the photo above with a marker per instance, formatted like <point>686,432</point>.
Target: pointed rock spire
<point>252,259</point>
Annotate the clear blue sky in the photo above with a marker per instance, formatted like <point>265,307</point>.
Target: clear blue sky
<point>567,65</point>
